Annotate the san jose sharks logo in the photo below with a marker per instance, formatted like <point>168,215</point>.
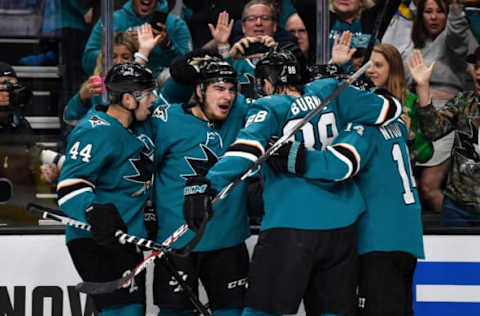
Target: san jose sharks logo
<point>161,108</point>
<point>469,143</point>
<point>96,121</point>
<point>143,166</point>
<point>200,166</point>
<point>144,173</point>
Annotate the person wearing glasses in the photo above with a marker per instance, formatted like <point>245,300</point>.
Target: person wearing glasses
<point>296,26</point>
<point>260,17</point>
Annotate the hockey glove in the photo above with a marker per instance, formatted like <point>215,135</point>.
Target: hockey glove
<point>197,205</point>
<point>290,157</point>
<point>105,221</point>
<point>186,69</point>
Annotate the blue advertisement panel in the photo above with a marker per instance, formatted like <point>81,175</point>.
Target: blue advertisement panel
<point>447,282</point>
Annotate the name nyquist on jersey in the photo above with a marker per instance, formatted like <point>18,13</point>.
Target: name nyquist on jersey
<point>378,160</point>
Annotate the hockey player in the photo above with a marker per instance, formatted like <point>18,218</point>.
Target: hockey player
<point>307,243</point>
<point>390,237</point>
<point>190,138</point>
<point>105,180</point>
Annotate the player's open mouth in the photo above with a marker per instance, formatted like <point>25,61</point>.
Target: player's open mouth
<point>224,107</point>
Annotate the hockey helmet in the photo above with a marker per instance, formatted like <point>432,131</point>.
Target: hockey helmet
<point>218,71</point>
<point>129,77</point>
<point>280,67</point>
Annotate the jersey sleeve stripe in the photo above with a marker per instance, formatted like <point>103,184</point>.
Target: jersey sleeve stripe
<point>390,111</point>
<point>70,188</point>
<point>69,182</point>
<point>241,154</point>
<point>349,155</point>
<point>71,195</point>
<point>247,149</point>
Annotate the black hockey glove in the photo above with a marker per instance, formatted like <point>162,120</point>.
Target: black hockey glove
<point>105,221</point>
<point>186,69</point>
<point>197,205</point>
<point>290,157</point>
<point>322,71</point>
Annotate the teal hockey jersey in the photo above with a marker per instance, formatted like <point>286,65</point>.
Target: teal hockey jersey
<point>188,146</point>
<point>291,201</point>
<point>392,221</point>
<point>106,163</point>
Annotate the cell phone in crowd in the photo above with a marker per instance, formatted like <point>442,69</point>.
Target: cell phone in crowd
<point>256,48</point>
<point>159,17</point>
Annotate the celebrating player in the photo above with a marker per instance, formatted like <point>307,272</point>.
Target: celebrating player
<point>390,231</point>
<point>307,242</point>
<point>105,180</point>
<point>190,138</point>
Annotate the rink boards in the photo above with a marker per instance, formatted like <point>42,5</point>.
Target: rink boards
<point>37,277</point>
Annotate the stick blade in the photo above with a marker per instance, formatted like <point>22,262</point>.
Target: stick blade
<point>94,288</point>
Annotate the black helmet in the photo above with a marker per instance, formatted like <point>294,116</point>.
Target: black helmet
<point>129,77</point>
<point>218,71</point>
<point>280,67</point>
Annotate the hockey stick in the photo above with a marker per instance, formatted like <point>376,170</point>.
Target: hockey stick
<point>93,288</point>
<point>110,286</point>
<point>282,140</point>
<point>376,30</point>
<point>123,238</point>
<point>187,288</point>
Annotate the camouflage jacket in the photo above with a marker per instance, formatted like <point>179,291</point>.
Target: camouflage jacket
<point>462,114</point>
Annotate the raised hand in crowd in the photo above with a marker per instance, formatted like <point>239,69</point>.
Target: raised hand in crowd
<point>341,50</point>
<point>147,41</point>
<point>221,32</point>
<point>421,73</point>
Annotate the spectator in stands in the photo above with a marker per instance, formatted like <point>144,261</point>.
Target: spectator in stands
<point>296,26</point>
<point>398,33</point>
<point>175,39</point>
<point>441,33</point>
<point>356,16</point>
<point>244,54</point>
<point>461,202</point>
<point>260,17</point>
<point>387,72</point>
<point>94,7</point>
<point>205,12</point>
<point>11,102</point>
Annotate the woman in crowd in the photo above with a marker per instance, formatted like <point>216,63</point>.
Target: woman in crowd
<point>125,49</point>
<point>441,33</point>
